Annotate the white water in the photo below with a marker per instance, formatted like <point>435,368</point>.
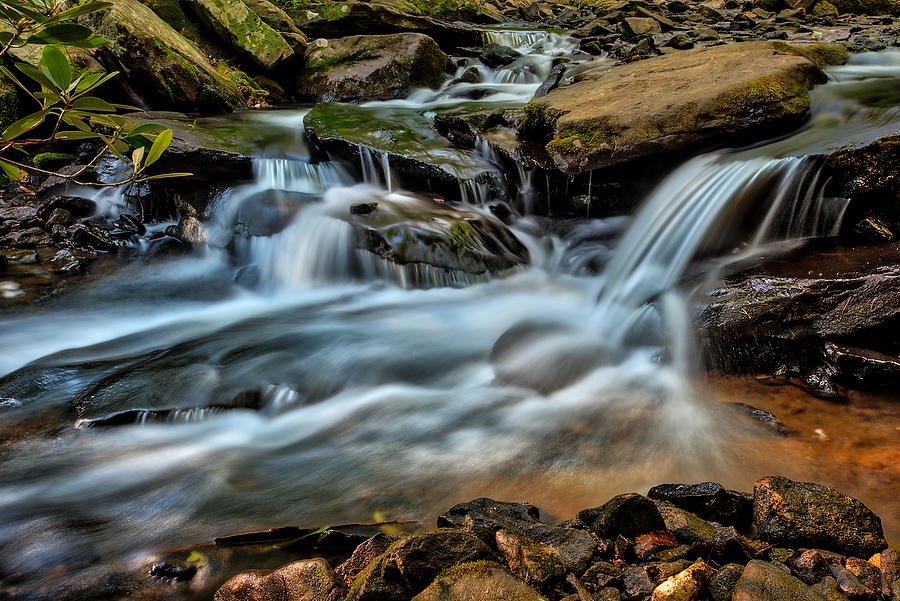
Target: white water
<point>374,397</point>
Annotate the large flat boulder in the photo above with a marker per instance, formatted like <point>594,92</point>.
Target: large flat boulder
<point>669,103</point>
<point>372,67</point>
<point>243,31</point>
<point>160,67</point>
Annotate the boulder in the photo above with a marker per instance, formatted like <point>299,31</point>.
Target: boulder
<point>576,547</point>
<point>372,67</point>
<point>674,102</point>
<point>806,514</point>
<point>362,556</point>
<point>685,526</point>
<point>409,565</point>
<point>478,581</point>
<point>764,581</point>
<point>626,515</point>
<point>863,367</point>
<point>723,583</point>
<point>483,517</point>
<point>495,55</point>
<point>709,500</point>
<point>243,31</point>
<point>536,563</point>
<point>276,18</point>
<point>635,27</point>
<point>162,68</point>
<point>306,580</point>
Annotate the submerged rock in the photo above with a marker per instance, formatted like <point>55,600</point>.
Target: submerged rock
<point>673,102</point>
<point>806,514</point>
<point>372,67</point>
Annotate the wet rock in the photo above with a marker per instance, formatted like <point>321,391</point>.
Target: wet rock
<point>164,69</point>
<point>409,565</point>
<point>723,583</point>
<point>708,500</point>
<point>763,581</point>
<point>576,547</point>
<point>635,27</point>
<point>686,585</point>
<point>65,262</point>
<point>32,237</point>
<point>680,41</point>
<point>819,382</point>
<point>662,571</point>
<point>636,583</point>
<point>483,517</point>
<point>552,81</point>
<point>362,556</point>
<point>307,580</point>
<point>728,545</point>
<point>602,574</point>
<point>866,173</point>
<point>867,573</point>
<point>470,75</point>
<point>479,581</point>
<point>647,546</point>
<point>61,217</point>
<point>799,513</point>
<point>20,213</point>
<point>75,206</point>
<point>191,231</point>
<point>812,565</point>
<point>685,526</point>
<point>850,585</point>
<point>243,31</point>
<point>495,55</point>
<point>616,115</point>
<point>171,571</point>
<point>828,588</point>
<point>863,367</point>
<point>536,563</point>
<point>18,257</point>
<point>382,67</point>
<point>626,515</point>
<point>771,422</point>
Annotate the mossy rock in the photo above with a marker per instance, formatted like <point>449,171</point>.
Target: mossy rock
<point>681,101</point>
<point>243,31</point>
<point>165,69</point>
<point>382,67</point>
<point>478,581</point>
<point>867,7</point>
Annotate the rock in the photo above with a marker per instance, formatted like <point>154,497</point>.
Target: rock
<point>362,556</point>
<point>77,207</point>
<point>191,231</point>
<point>723,583</point>
<point>889,562</point>
<point>409,565</point>
<point>811,565</point>
<point>171,571</point>
<point>685,526</point>
<point>635,27</point>
<point>20,213</point>
<point>243,31</point>
<point>65,262</point>
<point>479,581</point>
<point>576,547</point>
<point>415,150</point>
<point>867,573</point>
<point>805,514</point>
<point>850,585</point>
<point>19,257</point>
<point>165,70</point>
<point>306,580</point>
<point>536,563</point>
<point>636,583</point>
<point>863,367</point>
<point>709,500</point>
<point>680,41</point>
<point>727,545</point>
<point>602,574</point>
<point>483,517</point>
<point>280,21</point>
<point>60,217</point>
<point>866,174</point>
<point>828,588</point>
<point>32,237</point>
<point>626,515</point>
<point>686,585</point>
<point>823,8</point>
<point>769,420</point>
<point>646,546</point>
<point>365,67</point>
<point>617,114</point>
<point>763,581</point>
<point>495,55</point>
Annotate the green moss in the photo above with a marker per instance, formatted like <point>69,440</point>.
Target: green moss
<point>46,159</point>
<point>172,13</point>
<point>431,65</point>
<point>328,62</point>
<point>248,85</point>
<point>485,569</point>
<point>444,8</point>
<point>819,53</point>
<point>766,93</point>
<point>583,136</point>
<point>539,122</point>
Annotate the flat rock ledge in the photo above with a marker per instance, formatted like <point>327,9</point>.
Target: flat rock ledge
<point>786,540</point>
<point>680,101</point>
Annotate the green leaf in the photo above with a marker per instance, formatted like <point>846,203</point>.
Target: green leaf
<point>92,103</point>
<point>110,120</point>
<point>63,33</point>
<point>159,146</point>
<point>77,135</point>
<point>6,37</point>
<point>165,176</point>
<point>36,75</point>
<point>25,11</point>
<point>55,66</point>
<point>12,172</point>
<point>110,144</point>
<point>79,11</point>
<point>145,128</point>
<point>76,121</point>
<point>25,124</point>
<point>89,43</point>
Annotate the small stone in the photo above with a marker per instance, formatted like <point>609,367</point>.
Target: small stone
<point>828,588</point>
<point>536,563</point>
<point>850,585</point>
<point>65,262</point>
<point>575,547</point>
<point>19,257</point>
<point>648,545</point>
<point>722,585</point>
<point>495,56</point>
<point>686,585</point>
<point>170,571</point>
<point>636,582</point>
<point>763,581</point>
<point>363,208</point>
<point>813,564</point>
<point>627,515</point>
<point>483,517</point>
<point>33,237</point>
<point>868,574</point>
<point>685,526</point>
<point>635,27</point>
<point>601,575</point>
<point>362,556</point>
<point>60,216</point>
<point>708,500</point>
<point>680,41</point>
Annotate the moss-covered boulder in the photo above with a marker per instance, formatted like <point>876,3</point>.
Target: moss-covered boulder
<point>736,92</point>
<point>306,580</point>
<point>276,18</point>
<point>372,67</point>
<point>812,515</point>
<point>405,139</point>
<point>478,581</point>
<point>764,581</point>
<point>243,31</point>
<point>161,68</point>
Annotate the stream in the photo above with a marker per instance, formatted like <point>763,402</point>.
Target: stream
<point>339,387</point>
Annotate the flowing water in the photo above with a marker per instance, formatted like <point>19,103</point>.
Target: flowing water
<point>174,401</point>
